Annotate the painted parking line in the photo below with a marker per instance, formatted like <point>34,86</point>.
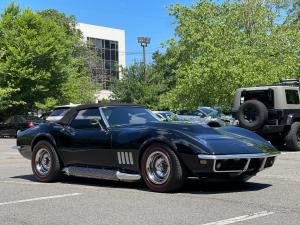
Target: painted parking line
<point>39,199</point>
<point>240,218</point>
<point>22,182</point>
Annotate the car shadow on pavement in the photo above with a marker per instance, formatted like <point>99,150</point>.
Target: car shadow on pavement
<point>191,186</point>
<point>205,187</point>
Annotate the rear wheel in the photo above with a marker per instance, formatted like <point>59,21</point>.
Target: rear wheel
<point>45,162</point>
<point>252,115</point>
<point>293,137</point>
<point>161,169</point>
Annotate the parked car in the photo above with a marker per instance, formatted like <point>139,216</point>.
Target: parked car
<point>200,117</point>
<point>273,111</point>
<point>45,115</point>
<point>59,112</point>
<point>214,113</point>
<point>13,124</point>
<point>127,143</point>
<point>167,115</point>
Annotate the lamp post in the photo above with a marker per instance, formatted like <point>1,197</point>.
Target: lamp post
<point>144,41</point>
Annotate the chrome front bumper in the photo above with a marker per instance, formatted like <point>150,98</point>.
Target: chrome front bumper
<point>260,161</point>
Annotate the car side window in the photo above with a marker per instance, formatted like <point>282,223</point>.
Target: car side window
<point>292,96</point>
<point>87,119</point>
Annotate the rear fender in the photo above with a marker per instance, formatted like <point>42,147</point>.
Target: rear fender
<point>43,136</point>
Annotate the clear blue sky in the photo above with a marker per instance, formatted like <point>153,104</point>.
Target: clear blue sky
<point>137,18</point>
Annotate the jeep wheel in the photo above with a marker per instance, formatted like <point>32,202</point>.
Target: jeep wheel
<point>252,115</point>
<point>293,137</point>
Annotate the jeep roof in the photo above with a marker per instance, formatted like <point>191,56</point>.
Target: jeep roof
<point>279,97</point>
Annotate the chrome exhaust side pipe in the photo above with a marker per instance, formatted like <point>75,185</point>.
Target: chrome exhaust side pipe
<point>103,174</point>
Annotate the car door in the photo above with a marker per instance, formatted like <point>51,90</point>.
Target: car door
<point>85,141</point>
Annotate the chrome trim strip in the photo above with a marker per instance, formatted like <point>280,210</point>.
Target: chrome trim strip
<point>127,158</point>
<point>263,164</point>
<point>230,171</point>
<point>105,174</point>
<point>127,176</point>
<point>237,156</point>
<point>119,157</point>
<point>130,158</point>
<point>265,156</point>
<point>123,158</point>
<point>247,165</point>
<point>103,117</point>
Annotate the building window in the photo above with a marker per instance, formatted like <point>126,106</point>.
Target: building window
<point>108,51</point>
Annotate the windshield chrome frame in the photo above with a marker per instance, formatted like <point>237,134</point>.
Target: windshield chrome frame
<point>104,117</point>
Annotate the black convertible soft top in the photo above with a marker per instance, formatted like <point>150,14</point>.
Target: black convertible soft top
<point>72,112</point>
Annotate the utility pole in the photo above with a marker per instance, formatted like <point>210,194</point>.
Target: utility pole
<point>144,41</point>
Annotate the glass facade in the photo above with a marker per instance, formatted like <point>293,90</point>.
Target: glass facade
<point>108,51</point>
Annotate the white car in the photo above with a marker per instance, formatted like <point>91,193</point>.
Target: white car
<point>59,112</point>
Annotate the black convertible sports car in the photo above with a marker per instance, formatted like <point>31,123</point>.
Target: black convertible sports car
<point>127,143</point>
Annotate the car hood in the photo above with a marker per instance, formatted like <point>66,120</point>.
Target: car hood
<point>220,141</point>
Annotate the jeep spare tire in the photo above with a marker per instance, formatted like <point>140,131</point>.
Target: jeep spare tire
<point>252,115</point>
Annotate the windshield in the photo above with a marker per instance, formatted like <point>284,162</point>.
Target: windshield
<point>59,111</point>
<point>169,115</point>
<point>118,116</point>
<point>210,111</point>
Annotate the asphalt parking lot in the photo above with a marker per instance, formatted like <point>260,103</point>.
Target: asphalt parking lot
<point>272,197</point>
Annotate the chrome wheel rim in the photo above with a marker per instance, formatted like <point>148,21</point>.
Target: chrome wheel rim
<point>158,167</point>
<point>43,161</point>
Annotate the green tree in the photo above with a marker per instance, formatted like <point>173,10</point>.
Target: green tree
<point>294,13</point>
<point>135,87</point>
<point>79,86</point>
<point>221,47</point>
<point>41,60</point>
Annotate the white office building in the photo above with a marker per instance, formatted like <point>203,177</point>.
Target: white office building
<point>109,43</point>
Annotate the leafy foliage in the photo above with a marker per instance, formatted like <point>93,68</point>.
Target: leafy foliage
<point>217,49</point>
<point>136,87</point>
<point>294,13</point>
<point>222,47</point>
<point>41,60</point>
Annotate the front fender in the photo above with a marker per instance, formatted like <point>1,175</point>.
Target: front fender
<point>242,132</point>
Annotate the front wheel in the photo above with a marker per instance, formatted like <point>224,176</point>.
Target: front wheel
<point>161,169</point>
<point>45,162</point>
<point>293,137</point>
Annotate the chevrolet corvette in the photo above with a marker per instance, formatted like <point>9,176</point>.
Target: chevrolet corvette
<point>126,142</point>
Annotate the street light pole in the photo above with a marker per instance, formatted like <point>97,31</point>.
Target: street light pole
<point>144,41</point>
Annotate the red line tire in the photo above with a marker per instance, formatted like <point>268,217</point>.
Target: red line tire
<point>161,169</point>
<point>45,163</point>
